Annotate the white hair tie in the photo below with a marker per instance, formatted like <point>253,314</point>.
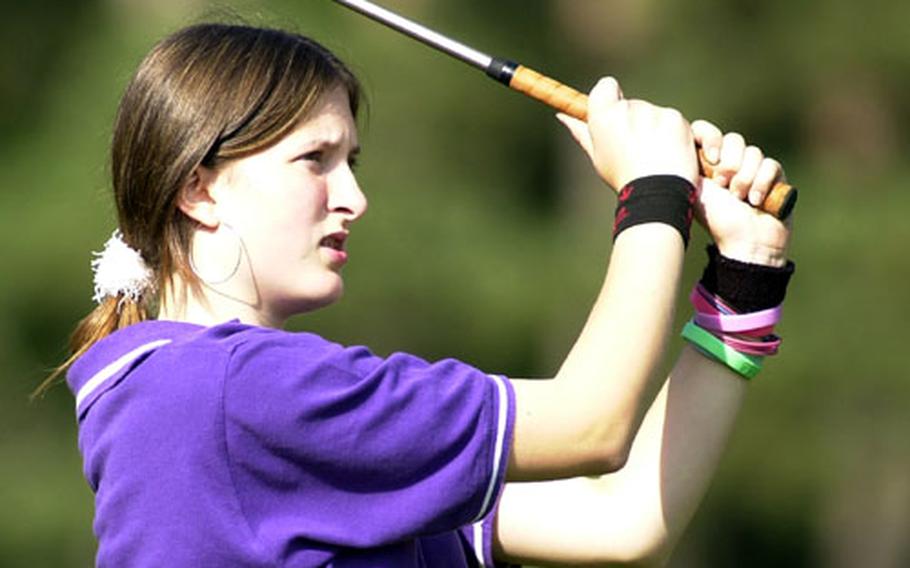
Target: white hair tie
<point>119,269</point>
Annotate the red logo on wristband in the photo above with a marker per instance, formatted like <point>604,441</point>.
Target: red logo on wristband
<point>626,192</point>
<point>620,217</point>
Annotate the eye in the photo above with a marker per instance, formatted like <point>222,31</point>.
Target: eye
<point>314,160</point>
<point>314,156</point>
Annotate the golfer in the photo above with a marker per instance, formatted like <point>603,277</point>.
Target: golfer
<point>211,437</point>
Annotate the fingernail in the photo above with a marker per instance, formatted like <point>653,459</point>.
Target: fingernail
<point>755,198</point>
<point>713,155</point>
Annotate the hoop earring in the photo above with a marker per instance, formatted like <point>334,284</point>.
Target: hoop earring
<point>217,281</point>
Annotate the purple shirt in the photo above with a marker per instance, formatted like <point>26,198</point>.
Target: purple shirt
<point>237,445</point>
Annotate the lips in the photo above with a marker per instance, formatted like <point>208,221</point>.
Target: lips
<point>334,241</point>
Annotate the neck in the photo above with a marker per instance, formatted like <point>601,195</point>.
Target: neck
<point>204,305</point>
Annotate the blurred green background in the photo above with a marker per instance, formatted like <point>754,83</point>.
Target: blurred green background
<point>488,232</point>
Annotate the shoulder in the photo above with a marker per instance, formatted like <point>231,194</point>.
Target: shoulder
<point>306,373</point>
<point>259,353</point>
<point>257,349</point>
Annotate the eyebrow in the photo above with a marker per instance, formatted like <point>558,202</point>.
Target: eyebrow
<point>330,143</point>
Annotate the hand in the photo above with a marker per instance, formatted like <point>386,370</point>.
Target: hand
<point>629,139</point>
<point>741,173</point>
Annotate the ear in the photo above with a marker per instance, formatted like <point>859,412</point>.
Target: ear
<point>195,199</point>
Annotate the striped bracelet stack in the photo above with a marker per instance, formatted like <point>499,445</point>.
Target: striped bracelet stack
<point>739,341</point>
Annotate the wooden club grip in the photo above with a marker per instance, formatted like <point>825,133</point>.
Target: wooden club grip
<point>559,96</point>
<point>779,202</point>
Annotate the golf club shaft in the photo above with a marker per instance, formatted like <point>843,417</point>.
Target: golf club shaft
<point>419,32</point>
<point>779,202</point>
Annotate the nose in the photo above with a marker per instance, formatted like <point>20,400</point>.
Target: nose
<point>345,196</point>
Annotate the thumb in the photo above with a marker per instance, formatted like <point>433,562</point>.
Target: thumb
<point>605,93</point>
<point>579,131</point>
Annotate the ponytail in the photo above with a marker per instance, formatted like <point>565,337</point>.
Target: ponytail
<point>123,283</point>
<point>111,314</point>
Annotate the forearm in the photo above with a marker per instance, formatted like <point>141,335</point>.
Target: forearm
<point>582,422</point>
<point>612,370</point>
<point>676,452</point>
<point>635,515</point>
<point>592,408</point>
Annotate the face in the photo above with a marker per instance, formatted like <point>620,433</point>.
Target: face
<point>292,205</point>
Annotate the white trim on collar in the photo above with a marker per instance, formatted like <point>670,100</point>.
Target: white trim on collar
<point>109,371</point>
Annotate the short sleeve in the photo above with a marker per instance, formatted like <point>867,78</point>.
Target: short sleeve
<point>478,537</point>
<point>335,445</point>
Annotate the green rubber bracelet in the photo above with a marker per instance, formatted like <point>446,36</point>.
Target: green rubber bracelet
<point>746,365</point>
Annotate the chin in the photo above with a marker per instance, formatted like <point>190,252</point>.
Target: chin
<point>309,301</point>
<point>330,299</point>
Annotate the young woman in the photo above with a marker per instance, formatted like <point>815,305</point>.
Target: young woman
<point>212,437</point>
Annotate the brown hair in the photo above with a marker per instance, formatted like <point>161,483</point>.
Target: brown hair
<point>205,95</point>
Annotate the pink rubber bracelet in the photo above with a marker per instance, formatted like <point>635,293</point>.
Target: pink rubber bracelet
<point>705,301</point>
<point>738,323</point>
<point>714,315</point>
<point>762,348</point>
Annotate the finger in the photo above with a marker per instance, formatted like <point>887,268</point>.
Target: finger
<point>605,93</point>
<point>742,180</point>
<point>579,131</point>
<point>731,158</point>
<point>769,173</point>
<point>709,137</point>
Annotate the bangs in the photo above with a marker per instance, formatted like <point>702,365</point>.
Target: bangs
<point>277,83</point>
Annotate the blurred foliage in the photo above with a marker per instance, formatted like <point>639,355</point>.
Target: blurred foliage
<point>488,232</point>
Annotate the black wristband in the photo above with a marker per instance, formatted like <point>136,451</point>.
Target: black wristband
<point>746,287</point>
<point>656,199</point>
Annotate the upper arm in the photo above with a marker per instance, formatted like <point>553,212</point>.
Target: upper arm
<point>577,521</point>
<point>555,436</point>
